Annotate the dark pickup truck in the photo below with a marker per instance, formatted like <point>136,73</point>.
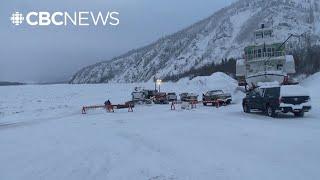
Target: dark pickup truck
<point>212,97</point>
<point>275,99</point>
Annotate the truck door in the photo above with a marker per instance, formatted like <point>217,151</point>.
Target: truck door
<point>254,99</point>
<point>260,99</point>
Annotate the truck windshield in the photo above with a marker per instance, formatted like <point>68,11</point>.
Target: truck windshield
<point>212,93</point>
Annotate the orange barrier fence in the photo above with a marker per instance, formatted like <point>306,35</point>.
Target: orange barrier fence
<point>194,103</point>
<point>109,108</point>
<point>217,102</point>
<point>173,106</point>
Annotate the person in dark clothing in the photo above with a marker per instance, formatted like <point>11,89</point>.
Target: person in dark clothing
<point>107,102</point>
<point>109,106</point>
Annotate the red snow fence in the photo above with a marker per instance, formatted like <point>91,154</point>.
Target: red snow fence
<point>109,108</point>
<point>173,106</point>
<point>193,104</point>
<point>217,102</point>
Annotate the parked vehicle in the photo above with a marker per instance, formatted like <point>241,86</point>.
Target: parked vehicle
<point>183,96</point>
<point>188,97</point>
<point>216,95</point>
<point>172,97</point>
<point>275,99</point>
<point>138,96</point>
<point>149,94</point>
<point>160,98</point>
<point>142,96</point>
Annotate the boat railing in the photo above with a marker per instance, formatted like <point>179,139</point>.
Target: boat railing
<point>265,54</point>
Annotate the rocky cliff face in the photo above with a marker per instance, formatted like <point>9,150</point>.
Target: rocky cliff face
<point>222,35</point>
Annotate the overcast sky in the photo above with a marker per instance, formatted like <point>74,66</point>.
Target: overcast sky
<point>47,54</point>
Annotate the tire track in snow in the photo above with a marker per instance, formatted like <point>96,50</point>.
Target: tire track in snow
<point>4,126</point>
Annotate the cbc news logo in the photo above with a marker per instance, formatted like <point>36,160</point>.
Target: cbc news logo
<point>17,18</point>
<point>81,18</point>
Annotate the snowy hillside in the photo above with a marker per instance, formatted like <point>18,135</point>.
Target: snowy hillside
<point>222,35</point>
<point>43,135</point>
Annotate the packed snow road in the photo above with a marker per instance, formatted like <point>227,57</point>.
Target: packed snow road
<point>44,136</point>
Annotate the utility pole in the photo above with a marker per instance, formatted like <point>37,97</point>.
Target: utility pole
<point>155,83</point>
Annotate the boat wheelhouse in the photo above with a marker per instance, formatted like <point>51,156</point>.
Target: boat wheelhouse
<point>265,60</point>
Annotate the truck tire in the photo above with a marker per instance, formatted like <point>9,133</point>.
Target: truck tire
<point>299,114</point>
<point>271,112</point>
<point>228,102</point>
<point>246,108</point>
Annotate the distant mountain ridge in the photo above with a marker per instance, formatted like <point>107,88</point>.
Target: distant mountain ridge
<point>222,35</point>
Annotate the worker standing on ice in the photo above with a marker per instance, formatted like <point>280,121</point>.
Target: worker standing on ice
<point>108,105</point>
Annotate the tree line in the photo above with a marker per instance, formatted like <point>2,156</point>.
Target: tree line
<point>227,66</point>
<point>307,60</point>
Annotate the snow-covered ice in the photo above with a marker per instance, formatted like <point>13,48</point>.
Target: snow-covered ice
<point>43,135</point>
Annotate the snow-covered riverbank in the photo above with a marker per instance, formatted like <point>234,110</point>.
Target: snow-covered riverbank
<point>43,135</point>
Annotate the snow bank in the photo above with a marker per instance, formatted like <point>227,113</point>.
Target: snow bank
<point>217,80</point>
<point>202,84</point>
<point>268,84</point>
<point>312,81</point>
<point>312,84</point>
